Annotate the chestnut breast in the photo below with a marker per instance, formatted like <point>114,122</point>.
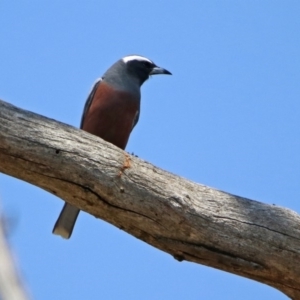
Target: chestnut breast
<point>111,115</point>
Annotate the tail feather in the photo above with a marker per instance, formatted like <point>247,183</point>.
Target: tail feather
<point>66,221</point>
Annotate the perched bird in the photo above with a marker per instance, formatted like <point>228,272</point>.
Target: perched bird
<point>111,111</point>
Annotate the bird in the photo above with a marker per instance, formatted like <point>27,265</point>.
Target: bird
<point>111,111</point>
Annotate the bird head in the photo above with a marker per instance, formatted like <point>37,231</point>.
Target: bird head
<point>141,67</point>
<point>130,72</point>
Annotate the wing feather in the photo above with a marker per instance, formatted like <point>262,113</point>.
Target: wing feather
<point>89,100</point>
<point>136,119</point>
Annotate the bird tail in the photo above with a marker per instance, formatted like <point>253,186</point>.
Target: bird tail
<point>66,221</point>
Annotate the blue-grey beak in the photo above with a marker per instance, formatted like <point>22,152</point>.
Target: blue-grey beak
<point>158,70</point>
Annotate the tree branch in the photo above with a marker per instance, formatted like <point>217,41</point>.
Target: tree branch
<point>11,286</point>
<point>188,220</point>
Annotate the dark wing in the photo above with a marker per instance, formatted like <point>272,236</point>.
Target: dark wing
<point>89,100</point>
<point>136,119</point>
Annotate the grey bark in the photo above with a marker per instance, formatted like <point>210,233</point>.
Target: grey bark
<point>190,221</point>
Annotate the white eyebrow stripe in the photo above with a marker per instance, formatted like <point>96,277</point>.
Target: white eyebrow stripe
<point>136,57</point>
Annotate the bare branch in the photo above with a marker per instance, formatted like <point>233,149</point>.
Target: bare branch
<point>11,287</point>
<point>188,220</point>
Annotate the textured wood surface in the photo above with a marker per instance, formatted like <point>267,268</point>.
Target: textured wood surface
<point>190,221</point>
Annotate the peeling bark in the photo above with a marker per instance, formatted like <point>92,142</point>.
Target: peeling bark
<point>190,221</point>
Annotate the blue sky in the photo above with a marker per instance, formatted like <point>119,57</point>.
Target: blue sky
<point>227,118</point>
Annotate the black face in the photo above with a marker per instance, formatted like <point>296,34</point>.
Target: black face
<point>140,69</point>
